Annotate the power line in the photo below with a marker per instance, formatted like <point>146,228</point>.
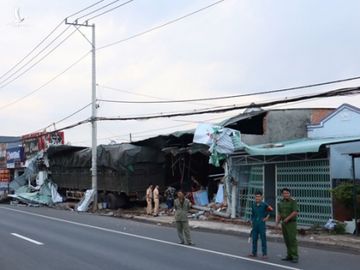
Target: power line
<point>78,12</point>
<point>143,95</point>
<point>56,130</point>
<point>226,97</point>
<point>28,54</point>
<point>67,117</point>
<point>160,26</point>
<point>3,83</point>
<point>43,40</point>
<point>120,136</point>
<point>98,9</point>
<point>333,93</point>
<point>109,10</point>
<point>63,119</point>
<point>45,84</point>
<point>37,62</point>
<point>72,114</point>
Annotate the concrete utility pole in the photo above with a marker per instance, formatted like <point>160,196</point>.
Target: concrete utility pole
<point>93,108</point>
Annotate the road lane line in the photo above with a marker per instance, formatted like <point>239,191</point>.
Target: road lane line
<point>153,239</point>
<point>27,239</point>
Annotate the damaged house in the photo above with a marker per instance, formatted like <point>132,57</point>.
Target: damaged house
<point>293,148</point>
<point>186,164</point>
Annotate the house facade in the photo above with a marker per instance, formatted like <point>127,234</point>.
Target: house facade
<point>296,151</point>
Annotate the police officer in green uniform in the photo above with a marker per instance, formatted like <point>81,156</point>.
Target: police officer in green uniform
<point>260,213</point>
<point>287,214</point>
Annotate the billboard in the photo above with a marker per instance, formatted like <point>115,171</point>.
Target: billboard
<point>15,157</point>
<point>38,141</point>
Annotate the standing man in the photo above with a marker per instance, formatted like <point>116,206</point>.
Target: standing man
<point>182,207</point>
<point>149,194</point>
<point>259,215</point>
<point>156,200</point>
<point>170,196</point>
<point>287,214</point>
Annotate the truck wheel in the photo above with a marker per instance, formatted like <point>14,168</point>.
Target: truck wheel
<point>123,200</point>
<point>112,201</point>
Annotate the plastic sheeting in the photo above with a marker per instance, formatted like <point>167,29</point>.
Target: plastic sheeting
<point>45,192</point>
<point>118,156</point>
<point>85,202</point>
<point>201,197</point>
<point>220,194</point>
<point>30,172</point>
<point>222,141</point>
<point>46,195</point>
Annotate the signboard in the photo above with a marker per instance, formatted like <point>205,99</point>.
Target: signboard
<point>36,142</point>
<point>2,155</point>
<point>4,175</point>
<point>15,157</point>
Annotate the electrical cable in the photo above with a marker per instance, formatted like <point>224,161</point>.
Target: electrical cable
<point>159,26</point>
<point>78,12</point>
<point>337,92</point>
<point>28,54</point>
<point>109,10</point>
<point>144,95</point>
<point>43,40</point>
<point>225,97</point>
<point>3,82</point>
<point>37,62</point>
<point>149,131</point>
<point>96,10</point>
<point>45,84</point>
<point>63,119</point>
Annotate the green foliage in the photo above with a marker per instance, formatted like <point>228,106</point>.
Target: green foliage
<point>339,228</point>
<point>344,193</point>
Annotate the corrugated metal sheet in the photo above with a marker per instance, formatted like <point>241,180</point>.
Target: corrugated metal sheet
<point>295,146</point>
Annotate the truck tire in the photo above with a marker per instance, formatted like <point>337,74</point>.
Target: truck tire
<point>112,201</point>
<point>123,200</point>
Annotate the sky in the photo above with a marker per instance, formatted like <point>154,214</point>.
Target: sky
<point>234,47</point>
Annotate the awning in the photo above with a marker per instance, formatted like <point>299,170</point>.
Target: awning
<point>294,146</point>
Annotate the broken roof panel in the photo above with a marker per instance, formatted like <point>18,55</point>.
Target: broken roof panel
<point>295,146</point>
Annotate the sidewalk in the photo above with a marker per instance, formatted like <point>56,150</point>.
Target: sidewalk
<point>344,242</point>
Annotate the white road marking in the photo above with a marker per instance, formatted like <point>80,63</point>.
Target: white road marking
<point>27,239</point>
<point>154,239</point>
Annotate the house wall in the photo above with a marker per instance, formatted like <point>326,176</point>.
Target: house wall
<point>308,180</point>
<point>343,123</point>
<point>282,125</point>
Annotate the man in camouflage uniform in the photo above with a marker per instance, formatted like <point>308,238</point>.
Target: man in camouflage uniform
<point>182,207</point>
<point>287,214</point>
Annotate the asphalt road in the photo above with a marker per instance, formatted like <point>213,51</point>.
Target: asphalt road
<point>43,238</point>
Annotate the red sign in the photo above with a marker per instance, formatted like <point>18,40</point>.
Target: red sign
<point>36,142</point>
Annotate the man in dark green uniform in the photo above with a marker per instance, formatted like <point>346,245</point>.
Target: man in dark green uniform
<point>260,213</point>
<point>287,213</point>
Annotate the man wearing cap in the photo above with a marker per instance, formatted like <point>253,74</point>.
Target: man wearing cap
<point>287,215</point>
